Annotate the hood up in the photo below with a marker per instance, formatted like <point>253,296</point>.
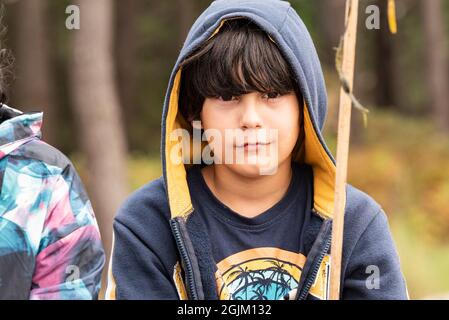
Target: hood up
<point>283,25</point>
<point>17,128</point>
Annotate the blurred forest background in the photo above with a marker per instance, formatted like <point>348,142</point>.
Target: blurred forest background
<point>102,89</point>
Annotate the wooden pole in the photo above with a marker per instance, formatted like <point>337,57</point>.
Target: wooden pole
<point>344,122</point>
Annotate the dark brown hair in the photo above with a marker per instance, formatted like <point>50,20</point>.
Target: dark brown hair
<point>239,59</point>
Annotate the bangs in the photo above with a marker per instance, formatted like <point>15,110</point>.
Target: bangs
<point>238,60</point>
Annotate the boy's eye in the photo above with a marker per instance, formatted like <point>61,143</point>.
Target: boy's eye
<point>271,95</point>
<point>227,98</point>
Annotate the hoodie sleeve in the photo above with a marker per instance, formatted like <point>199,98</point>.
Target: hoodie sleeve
<point>138,273</point>
<point>144,256</point>
<point>373,270</point>
<point>70,257</point>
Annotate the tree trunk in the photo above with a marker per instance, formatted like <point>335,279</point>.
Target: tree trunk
<point>186,12</point>
<point>331,18</point>
<point>331,14</point>
<point>385,64</point>
<point>97,109</point>
<point>436,61</point>
<point>34,87</point>
<point>126,45</point>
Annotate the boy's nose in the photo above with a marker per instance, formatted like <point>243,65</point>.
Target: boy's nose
<point>250,117</point>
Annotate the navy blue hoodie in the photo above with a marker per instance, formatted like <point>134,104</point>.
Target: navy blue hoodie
<point>162,249</point>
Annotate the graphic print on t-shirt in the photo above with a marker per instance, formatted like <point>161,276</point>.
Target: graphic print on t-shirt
<point>259,274</point>
<point>267,274</point>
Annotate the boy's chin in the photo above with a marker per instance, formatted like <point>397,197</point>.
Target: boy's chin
<point>254,170</point>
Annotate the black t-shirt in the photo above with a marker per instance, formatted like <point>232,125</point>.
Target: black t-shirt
<point>260,257</point>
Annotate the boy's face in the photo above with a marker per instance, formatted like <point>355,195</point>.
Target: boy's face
<point>262,129</point>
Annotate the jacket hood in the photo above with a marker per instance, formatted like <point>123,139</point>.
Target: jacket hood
<point>283,25</point>
<point>17,128</point>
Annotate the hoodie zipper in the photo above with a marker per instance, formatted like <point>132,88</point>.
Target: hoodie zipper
<point>190,280</point>
<point>316,266</point>
<point>315,270</point>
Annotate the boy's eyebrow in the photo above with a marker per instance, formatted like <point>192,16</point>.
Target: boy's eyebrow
<point>247,92</point>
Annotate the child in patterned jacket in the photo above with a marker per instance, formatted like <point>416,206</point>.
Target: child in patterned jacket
<point>50,246</point>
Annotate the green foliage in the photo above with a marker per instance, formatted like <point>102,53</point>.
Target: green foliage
<point>424,266</point>
<point>402,162</point>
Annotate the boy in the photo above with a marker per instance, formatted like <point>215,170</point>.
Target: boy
<point>50,246</point>
<point>248,216</point>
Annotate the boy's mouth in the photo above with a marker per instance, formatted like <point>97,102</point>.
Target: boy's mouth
<point>251,146</point>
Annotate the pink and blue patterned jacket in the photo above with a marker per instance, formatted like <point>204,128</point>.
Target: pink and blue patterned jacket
<point>50,246</point>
